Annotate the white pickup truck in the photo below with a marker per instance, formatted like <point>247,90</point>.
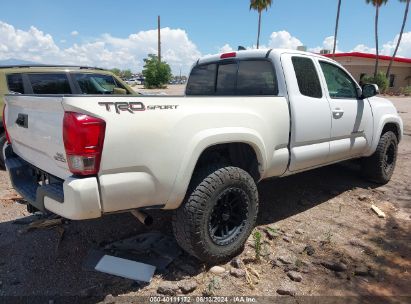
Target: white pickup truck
<point>246,116</point>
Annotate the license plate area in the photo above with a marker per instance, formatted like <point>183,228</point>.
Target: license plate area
<point>43,178</point>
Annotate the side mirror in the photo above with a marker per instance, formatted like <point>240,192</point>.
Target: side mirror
<point>369,90</point>
<point>119,91</point>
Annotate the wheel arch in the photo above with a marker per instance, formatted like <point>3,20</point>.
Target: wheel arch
<point>386,123</point>
<point>394,127</point>
<point>227,141</point>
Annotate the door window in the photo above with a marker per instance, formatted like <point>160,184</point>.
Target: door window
<point>339,83</point>
<point>97,83</point>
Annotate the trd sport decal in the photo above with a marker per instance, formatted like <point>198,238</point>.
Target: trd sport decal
<point>162,107</point>
<point>134,106</point>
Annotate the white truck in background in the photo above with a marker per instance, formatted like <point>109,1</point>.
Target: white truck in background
<point>246,116</point>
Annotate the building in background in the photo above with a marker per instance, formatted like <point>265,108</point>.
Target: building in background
<point>360,64</point>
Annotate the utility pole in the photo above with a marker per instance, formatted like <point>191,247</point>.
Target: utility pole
<point>159,39</point>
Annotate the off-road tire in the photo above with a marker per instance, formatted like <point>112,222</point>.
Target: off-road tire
<point>380,166</point>
<point>191,221</point>
<point>3,141</point>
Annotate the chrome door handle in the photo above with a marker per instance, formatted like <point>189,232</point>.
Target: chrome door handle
<point>338,113</point>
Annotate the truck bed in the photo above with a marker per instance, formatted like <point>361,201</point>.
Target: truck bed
<point>151,143</point>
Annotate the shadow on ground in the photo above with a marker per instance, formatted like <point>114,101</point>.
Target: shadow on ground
<point>284,197</point>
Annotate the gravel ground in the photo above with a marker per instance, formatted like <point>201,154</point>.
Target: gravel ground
<point>319,237</point>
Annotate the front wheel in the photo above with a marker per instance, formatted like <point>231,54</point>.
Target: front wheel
<point>380,166</point>
<point>218,214</point>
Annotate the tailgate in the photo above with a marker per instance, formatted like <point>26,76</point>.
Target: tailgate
<point>35,127</point>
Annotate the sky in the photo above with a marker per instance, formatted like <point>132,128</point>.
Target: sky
<point>120,33</point>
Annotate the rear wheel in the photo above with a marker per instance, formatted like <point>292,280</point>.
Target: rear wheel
<point>380,166</point>
<point>218,214</point>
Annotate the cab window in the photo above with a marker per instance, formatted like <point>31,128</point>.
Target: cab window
<point>242,77</point>
<point>307,77</point>
<point>226,79</point>
<point>46,83</point>
<point>256,77</point>
<point>202,80</point>
<point>15,84</point>
<point>339,83</point>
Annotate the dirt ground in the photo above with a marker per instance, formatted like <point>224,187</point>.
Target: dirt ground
<point>316,226</point>
<point>174,89</point>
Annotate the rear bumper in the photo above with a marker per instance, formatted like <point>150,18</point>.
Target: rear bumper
<point>73,198</point>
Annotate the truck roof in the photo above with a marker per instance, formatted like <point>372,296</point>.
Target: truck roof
<point>254,53</point>
<point>40,68</point>
<point>47,66</point>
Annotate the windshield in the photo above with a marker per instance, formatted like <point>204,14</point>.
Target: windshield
<point>99,84</point>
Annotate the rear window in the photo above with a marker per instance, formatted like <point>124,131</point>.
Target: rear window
<point>307,77</point>
<point>248,77</point>
<point>49,83</point>
<point>15,83</point>
<point>256,78</point>
<point>226,77</point>
<point>202,80</point>
<point>98,84</point>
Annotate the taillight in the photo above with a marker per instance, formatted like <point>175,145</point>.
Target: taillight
<point>4,125</point>
<point>83,137</point>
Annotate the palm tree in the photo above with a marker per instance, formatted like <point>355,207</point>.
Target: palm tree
<point>259,5</point>
<point>336,27</point>
<point>377,4</point>
<point>399,38</point>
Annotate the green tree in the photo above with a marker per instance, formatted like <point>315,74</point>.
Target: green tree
<point>379,80</point>
<point>337,20</point>
<point>126,74</point>
<point>377,4</point>
<point>259,6</point>
<point>116,71</point>
<point>156,73</point>
<point>404,20</point>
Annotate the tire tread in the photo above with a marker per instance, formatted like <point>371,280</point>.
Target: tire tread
<point>187,220</point>
<point>373,166</point>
